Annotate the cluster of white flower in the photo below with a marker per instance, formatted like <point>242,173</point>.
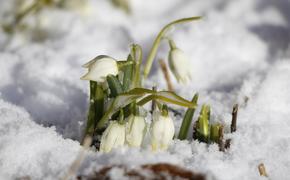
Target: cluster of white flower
<point>133,132</point>
<point>130,133</point>
<point>119,89</point>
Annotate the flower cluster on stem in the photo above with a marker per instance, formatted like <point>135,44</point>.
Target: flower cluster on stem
<point>117,95</point>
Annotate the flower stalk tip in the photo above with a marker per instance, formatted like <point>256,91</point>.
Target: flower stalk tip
<point>158,39</point>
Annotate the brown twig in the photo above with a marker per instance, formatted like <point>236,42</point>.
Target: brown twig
<point>228,144</point>
<point>234,118</point>
<point>166,74</point>
<point>194,130</point>
<point>262,170</point>
<point>221,139</point>
<point>153,105</point>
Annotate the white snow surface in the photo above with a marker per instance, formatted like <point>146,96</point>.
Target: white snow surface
<point>239,49</point>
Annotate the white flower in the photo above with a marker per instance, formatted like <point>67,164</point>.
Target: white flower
<point>135,130</point>
<point>162,131</point>
<point>99,68</point>
<point>178,63</point>
<point>113,136</point>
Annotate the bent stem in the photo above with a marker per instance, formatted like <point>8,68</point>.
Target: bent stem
<point>158,39</point>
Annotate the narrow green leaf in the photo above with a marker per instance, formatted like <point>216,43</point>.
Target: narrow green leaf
<point>140,91</point>
<point>146,99</point>
<point>114,85</point>
<point>123,99</point>
<point>203,123</point>
<point>164,99</point>
<point>175,98</point>
<point>215,132</point>
<point>187,119</point>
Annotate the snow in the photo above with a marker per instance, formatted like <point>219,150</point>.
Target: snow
<point>31,149</point>
<point>240,49</point>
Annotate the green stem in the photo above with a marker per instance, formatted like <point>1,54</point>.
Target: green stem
<point>137,54</point>
<point>134,109</point>
<point>121,117</point>
<point>122,64</point>
<point>91,113</point>
<point>164,110</point>
<point>99,104</point>
<point>96,108</point>
<point>158,39</point>
<point>172,44</point>
<point>187,119</point>
<point>128,75</point>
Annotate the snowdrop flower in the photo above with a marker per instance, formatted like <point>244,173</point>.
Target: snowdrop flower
<point>162,131</point>
<point>99,68</point>
<point>135,130</point>
<point>178,63</point>
<point>113,136</point>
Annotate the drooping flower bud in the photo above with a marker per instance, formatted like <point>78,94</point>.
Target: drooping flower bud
<point>99,68</point>
<point>135,130</point>
<point>113,136</point>
<point>179,64</point>
<point>162,131</point>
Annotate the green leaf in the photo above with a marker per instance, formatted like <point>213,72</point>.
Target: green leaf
<point>119,102</point>
<point>140,91</point>
<point>124,99</point>
<point>114,85</point>
<point>166,97</point>
<point>171,97</point>
<point>215,132</point>
<point>203,123</point>
<point>187,119</point>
